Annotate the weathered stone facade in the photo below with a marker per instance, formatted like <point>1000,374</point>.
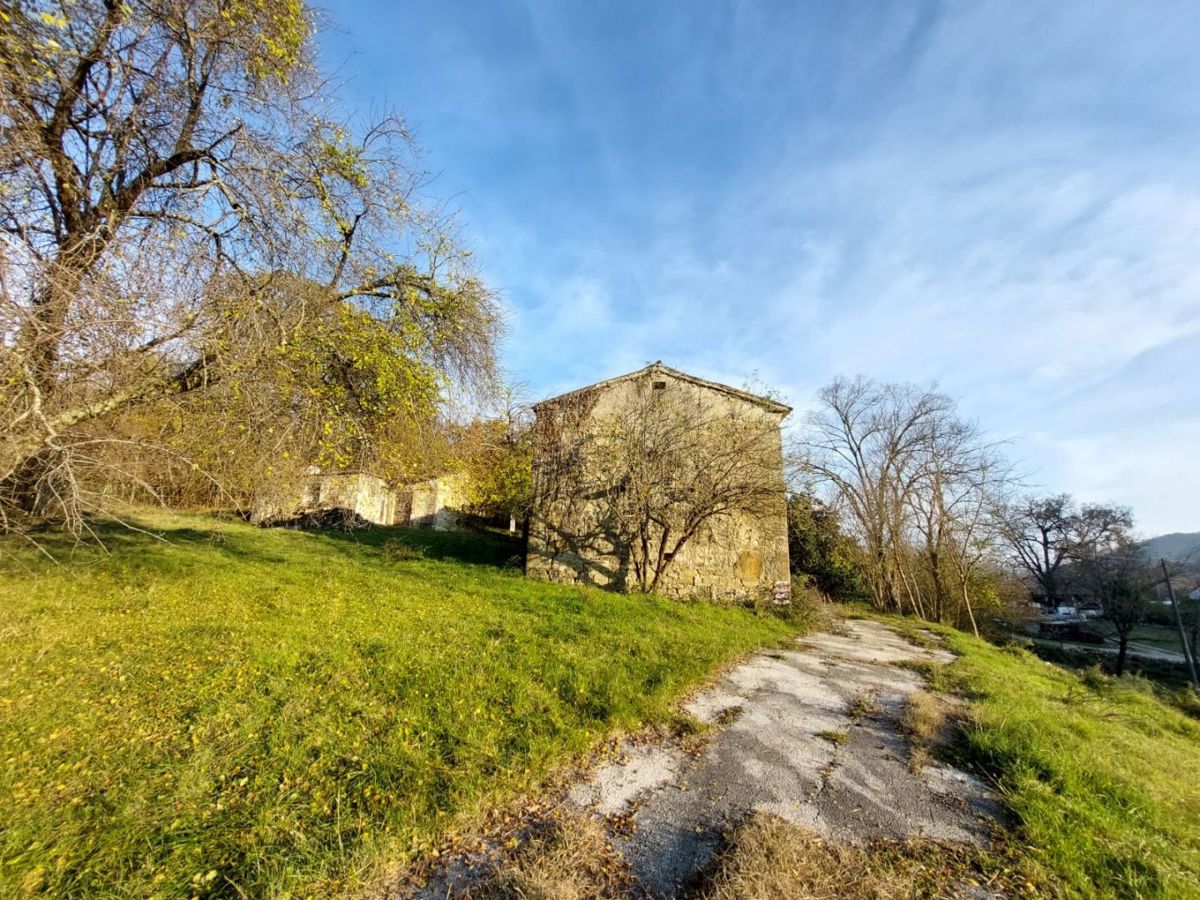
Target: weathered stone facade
<point>732,556</point>
<point>358,492</point>
<point>434,503</point>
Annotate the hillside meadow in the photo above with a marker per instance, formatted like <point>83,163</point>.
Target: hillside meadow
<point>1100,775</point>
<point>203,708</point>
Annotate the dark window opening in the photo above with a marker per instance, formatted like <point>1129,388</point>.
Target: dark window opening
<point>660,385</point>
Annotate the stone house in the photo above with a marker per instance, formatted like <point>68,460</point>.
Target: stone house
<point>734,555</point>
<point>434,503</point>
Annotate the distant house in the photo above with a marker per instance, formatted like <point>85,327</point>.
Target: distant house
<point>735,555</point>
<point>1070,600</point>
<point>434,503</point>
<point>1184,585</point>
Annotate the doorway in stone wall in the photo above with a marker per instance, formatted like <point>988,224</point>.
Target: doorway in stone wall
<point>404,502</point>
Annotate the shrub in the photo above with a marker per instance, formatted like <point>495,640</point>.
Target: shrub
<point>394,550</point>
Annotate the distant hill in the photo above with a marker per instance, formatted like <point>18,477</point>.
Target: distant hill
<point>1176,545</point>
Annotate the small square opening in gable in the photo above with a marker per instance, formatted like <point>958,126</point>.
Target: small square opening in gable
<point>659,386</point>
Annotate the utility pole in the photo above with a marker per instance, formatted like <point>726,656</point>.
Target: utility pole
<point>1187,652</point>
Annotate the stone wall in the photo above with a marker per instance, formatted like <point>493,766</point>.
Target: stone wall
<point>436,503</point>
<point>363,494</point>
<point>734,556</point>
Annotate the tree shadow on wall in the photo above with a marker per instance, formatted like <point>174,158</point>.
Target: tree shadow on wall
<point>590,554</point>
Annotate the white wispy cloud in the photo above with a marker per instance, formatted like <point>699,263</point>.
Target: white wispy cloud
<point>1002,198</point>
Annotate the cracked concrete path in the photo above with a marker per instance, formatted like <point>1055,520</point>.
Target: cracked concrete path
<point>810,735</point>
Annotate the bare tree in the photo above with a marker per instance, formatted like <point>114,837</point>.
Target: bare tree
<point>162,165</point>
<point>1045,534</point>
<point>870,442</point>
<point>1037,531</point>
<point>918,482</point>
<point>942,480</point>
<point>962,477</point>
<point>1119,575</point>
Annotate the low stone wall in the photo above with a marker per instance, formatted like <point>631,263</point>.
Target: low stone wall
<point>365,495</point>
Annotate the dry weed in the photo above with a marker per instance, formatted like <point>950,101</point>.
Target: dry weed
<point>928,720</point>
<point>570,860</point>
<point>769,859</point>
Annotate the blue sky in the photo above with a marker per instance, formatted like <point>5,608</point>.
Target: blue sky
<point>1003,197</point>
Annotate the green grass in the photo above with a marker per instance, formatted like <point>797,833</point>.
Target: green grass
<point>837,738</point>
<point>238,712</point>
<point>1101,775</point>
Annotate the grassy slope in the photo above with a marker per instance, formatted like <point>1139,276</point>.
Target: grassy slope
<point>1102,775</point>
<point>269,712</point>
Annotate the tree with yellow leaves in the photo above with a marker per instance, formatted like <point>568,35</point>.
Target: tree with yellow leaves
<point>183,219</point>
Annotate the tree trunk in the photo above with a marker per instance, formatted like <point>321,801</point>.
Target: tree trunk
<point>933,553</point>
<point>970,612</point>
<point>879,578</point>
<point>23,488</point>
<point>939,589</point>
<point>1122,646</point>
<point>914,593</point>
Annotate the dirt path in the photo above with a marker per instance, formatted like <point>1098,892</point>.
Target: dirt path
<point>810,735</point>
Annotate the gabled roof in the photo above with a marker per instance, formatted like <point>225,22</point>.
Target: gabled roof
<point>657,368</point>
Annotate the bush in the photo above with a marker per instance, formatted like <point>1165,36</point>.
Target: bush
<point>1161,614</point>
<point>398,551</point>
<point>808,609</point>
<point>820,552</point>
<point>337,519</point>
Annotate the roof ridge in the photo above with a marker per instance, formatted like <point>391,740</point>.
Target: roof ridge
<point>659,366</point>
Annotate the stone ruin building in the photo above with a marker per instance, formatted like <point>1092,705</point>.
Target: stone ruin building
<point>434,503</point>
<point>735,556</point>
